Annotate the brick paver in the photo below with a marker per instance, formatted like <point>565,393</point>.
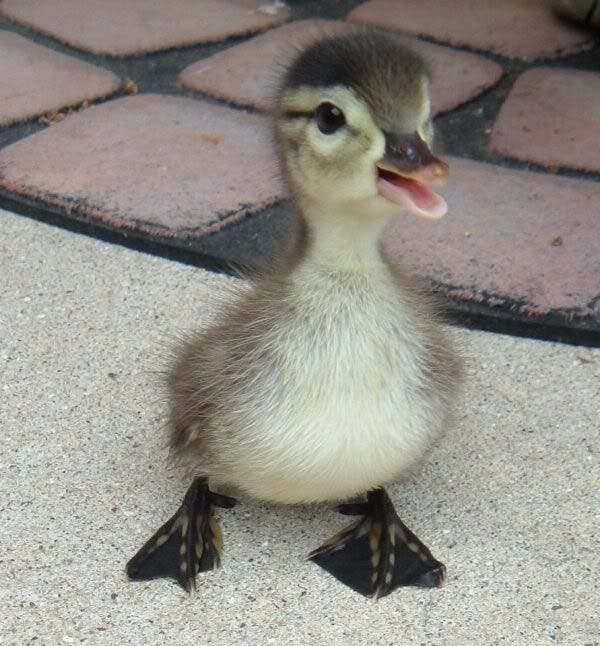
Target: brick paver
<point>510,235</point>
<point>526,29</point>
<point>36,79</point>
<point>551,117</point>
<point>247,74</point>
<point>160,164</point>
<point>119,28</point>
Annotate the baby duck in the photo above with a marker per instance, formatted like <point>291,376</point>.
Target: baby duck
<point>331,377</point>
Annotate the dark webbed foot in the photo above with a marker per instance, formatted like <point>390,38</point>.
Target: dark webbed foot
<point>378,553</point>
<point>188,543</point>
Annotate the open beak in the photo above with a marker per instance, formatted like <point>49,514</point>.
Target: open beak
<point>406,174</point>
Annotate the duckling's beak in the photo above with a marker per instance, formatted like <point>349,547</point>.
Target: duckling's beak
<point>407,171</point>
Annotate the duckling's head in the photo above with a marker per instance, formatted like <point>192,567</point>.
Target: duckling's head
<point>354,127</point>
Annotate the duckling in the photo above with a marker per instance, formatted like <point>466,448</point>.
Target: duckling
<point>331,377</point>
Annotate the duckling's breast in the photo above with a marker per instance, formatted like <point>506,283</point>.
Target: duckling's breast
<point>336,397</point>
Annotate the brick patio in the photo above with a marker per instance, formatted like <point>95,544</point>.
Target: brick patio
<point>551,117</point>
<point>188,164</point>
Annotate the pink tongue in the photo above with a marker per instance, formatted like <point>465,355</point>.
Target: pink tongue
<point>414,196</point>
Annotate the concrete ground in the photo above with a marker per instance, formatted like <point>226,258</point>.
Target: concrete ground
<point>509,498</point>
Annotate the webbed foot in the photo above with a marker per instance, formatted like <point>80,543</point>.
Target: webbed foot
<point>378,553</point>
<point>188,543</point>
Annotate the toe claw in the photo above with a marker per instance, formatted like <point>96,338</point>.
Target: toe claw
<point>433,578</point>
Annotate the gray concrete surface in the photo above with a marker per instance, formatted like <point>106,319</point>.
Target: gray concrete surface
<point>508,499</point>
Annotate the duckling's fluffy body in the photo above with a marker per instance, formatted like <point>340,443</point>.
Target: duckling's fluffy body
<point>318,385</point>
<point>331,377</point>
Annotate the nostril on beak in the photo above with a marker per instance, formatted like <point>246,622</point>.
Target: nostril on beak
<point>406,152</point>
<point>438,172</point>
<point>411,153</point>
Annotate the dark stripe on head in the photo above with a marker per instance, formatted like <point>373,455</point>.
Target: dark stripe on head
<point>352,60</point>
<point>298,114</point>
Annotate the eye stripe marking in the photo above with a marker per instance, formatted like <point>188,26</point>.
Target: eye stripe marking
<point>298,114</point>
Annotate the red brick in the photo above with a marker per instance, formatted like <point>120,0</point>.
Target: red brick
<point>160,164</point>
<point>36,79</point>
<point>496,242</point>
<point>524,29</point>
<point>247,74</point>
<point>122,28</point>
<point>551,117</point>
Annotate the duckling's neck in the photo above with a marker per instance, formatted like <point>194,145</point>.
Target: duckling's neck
<point>343,238</point>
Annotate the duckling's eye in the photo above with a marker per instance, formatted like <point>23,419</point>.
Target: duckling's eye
<point>329,118</point>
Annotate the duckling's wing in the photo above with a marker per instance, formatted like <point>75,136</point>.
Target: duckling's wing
<point>192,388</point>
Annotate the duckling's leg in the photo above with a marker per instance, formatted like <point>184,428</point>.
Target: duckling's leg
<point>378,553</point>
<point>188,543</point>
